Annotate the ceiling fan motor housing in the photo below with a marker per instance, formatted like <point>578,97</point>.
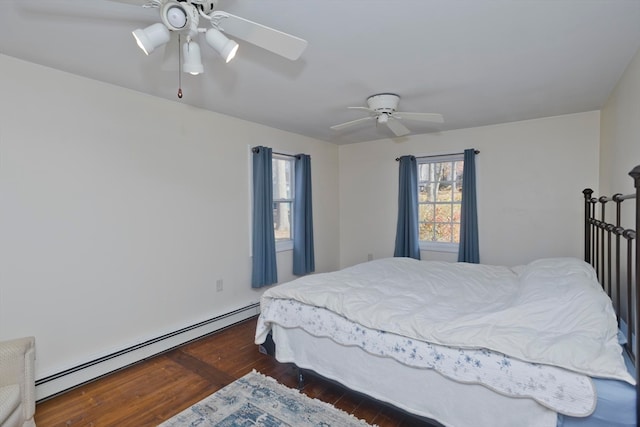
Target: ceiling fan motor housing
<point>383,102</point>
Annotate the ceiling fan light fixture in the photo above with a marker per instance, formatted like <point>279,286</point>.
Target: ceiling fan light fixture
<point>225,47</point>
<point>151,37</point>
<point>192,59</point>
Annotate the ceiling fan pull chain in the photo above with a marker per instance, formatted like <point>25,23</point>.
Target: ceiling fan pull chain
<point>179,68</point>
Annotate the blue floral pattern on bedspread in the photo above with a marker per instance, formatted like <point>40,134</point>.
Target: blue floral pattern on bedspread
<point>556,388</point>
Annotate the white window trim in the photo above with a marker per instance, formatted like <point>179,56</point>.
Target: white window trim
<point>284,245</point>
<point>287,245</point>
<point>439,246</point>
<point>425,245</point>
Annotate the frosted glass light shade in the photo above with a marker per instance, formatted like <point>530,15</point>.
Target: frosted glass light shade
<point>151,37</point>
<point>225,47</point>
<point>192,59</point>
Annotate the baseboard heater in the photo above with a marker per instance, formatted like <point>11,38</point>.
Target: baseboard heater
<point>63,381</point>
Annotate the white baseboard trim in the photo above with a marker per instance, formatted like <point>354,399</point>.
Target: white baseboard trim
<point>70,378</point>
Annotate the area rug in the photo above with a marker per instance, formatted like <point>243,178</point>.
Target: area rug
<point>259,400</point>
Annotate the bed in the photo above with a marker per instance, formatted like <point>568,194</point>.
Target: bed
<point>549,343</point>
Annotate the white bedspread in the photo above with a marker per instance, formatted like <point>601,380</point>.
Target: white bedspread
<point>555,388</point>
<point>550,312</point>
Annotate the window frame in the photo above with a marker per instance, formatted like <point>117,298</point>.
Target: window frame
<point>285,245</point>
<point>427,245</point>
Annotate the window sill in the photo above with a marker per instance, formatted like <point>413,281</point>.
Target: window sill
<point>284,245</point>
<point>439,247</point>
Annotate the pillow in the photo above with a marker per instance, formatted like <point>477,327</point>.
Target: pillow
<point>558,270</point>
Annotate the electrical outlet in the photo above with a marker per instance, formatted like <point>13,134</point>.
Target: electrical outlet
<point>370,257</point>
<point>219,285</point>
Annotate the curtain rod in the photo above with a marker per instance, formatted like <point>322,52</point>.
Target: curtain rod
<point>438,155</point>
<point>257,150</point>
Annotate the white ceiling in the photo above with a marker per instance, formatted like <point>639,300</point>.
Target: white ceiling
<point>478,62</point>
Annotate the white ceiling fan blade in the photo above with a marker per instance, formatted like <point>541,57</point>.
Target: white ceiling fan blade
<point>351,123</point>
<point>397,128</point>
<point>423,117</point>
<point>283,44</point>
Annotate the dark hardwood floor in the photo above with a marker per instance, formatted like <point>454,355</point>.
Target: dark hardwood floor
<point>154,390</point>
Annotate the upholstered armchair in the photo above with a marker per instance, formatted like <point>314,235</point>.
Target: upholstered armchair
<point>17,382</point>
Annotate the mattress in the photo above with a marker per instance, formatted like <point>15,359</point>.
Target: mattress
<point>427,394</point>
<point>421,392</point>
<point>616,404</point>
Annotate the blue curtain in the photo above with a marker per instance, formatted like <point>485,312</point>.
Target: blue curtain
<point>468,250</point>
<point>264,269</point>
<point>303,255</point>
<point>407,239</point>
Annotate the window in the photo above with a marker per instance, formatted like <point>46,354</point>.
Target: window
<point>439,201</point>
<point>283,191</point>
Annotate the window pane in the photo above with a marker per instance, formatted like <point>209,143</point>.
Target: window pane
<point>446,171</point>
<point>456,233</point>
<point>425,231</point>
<point>443,213</point>
<point>423,171</point>
<point>428,192</point>
<point>457,194</point>
<point>422,192</point>
<point>425,213</point>
<point>456,213</point>
<point>281,169</point>
<point>444,192</point>
<point>459,167</point>
<point>282,220</point>
<point>444,232</point>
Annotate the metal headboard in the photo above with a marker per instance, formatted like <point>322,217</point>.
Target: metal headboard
<point>614,253</point>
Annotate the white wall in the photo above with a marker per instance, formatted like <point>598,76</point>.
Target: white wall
<point>620,136</point>
<point>530,179</point>
<point>120,211</point>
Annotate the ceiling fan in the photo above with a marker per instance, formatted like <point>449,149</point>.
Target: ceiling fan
<point>383,109</point>
<point>182,18</point>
